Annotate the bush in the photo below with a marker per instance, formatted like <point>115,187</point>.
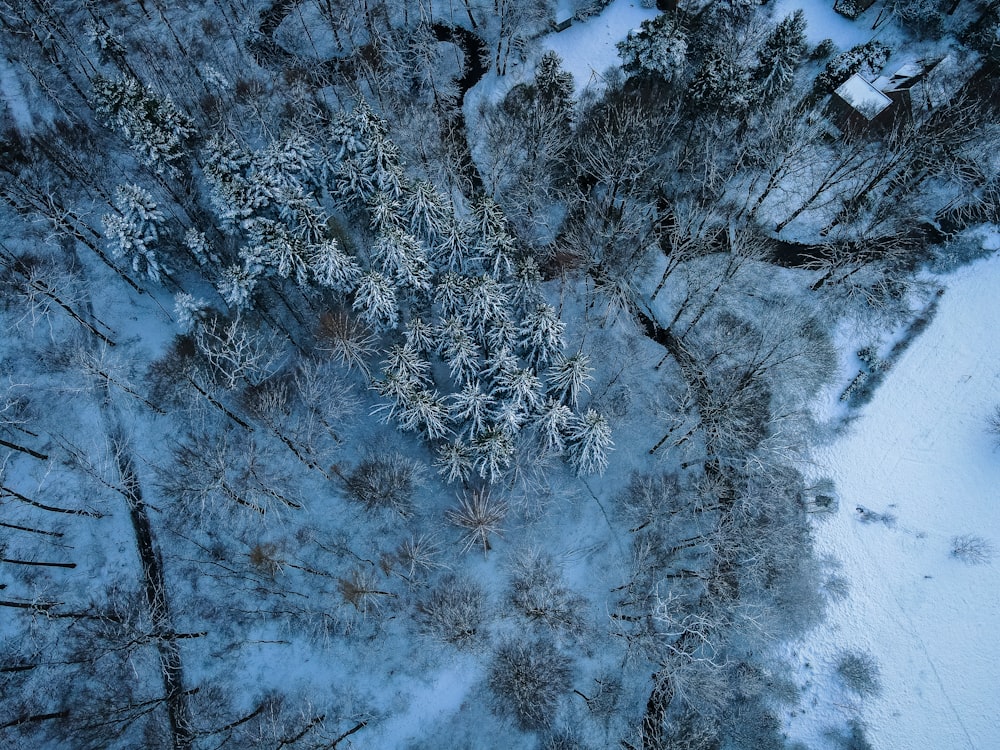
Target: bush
<point>527,679</point>
<point>859,672</point>
<point>972,549</point>
<point>868,57</point>
<point>454,612</point>
<point>385,480</point>
<point>540,593</point>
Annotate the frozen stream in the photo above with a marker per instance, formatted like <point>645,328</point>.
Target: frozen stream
<point>920,452</point>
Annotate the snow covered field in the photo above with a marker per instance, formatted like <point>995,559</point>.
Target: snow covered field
<point>918,452</point>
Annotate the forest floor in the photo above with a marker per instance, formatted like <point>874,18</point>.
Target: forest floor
<point>920,460</point>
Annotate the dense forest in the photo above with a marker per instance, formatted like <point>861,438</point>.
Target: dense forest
<point>369,381</point>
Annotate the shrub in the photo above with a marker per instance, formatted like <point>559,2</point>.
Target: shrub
<point>527,679</point>
<point>540,593</point>
<point>859,672</point>
<point>972,549</point>
<point>385,480</point>
<point>454,612</point>
<point>480,515</point>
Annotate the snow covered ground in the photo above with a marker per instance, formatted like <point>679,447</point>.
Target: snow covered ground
<point>919,452</point>
<point>823,22</point>
<point>588,48</point>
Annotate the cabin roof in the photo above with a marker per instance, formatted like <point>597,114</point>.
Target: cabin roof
<point>867,100</point>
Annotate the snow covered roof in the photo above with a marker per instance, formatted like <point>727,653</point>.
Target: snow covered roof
<point>863,97</point>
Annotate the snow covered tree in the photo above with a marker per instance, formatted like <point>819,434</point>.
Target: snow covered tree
<point>542,335</point>
<point>331,267</point>
<point>553,424</point>
<point>451,293</point>
<point>406,363</point>
<point>420,335</point>
<point>522,387</point>
<point>236,352</point>
<point>472,406</point>
<point>720,86</point>
<point>554,86</point>
<point>236,286</point>
<point>779,56</point>
<point>385,213</point>
<point>527,679</point>
<point>274,248</point>
<point>366,162</point>
<point>133,230</point>
<point>568,378</point>
<point>486,296</point>
<point>493,452</point>
<point>589,443</point>
<point>452,250</point>
<point>454,461</point>
<point>862,58</point>
<point>460,351</point>
<point>197,243</point>
<point>232,196</point>
<point>153,125</point>
<point>426,210</point>
<point>658,48</point>
<point>403,258</point>
<point>189,311</point>
<point>424,410</point>
<point>375,301</point>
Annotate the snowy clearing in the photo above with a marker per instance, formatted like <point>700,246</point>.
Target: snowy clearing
<point>823,22</point>
<point>588,48</point>
<point>920,453</point>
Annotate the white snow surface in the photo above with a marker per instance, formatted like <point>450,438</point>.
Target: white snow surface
<point>863,96</point>
<point>919,451</point>
<point>823,22</point>
<point>588,47</point>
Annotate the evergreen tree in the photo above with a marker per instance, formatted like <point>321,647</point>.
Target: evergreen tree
<point>461,353</point>
<point>720,86</point>
<point>454,461</point>
<point>553,424</point>
<point>273,248</point>
<point>331,267</point>
<point>224,164</point>
<point>366,162</point>
<point>427,211</point>
<point>554,87</point>
<point>473,407</point>
<point>862,58</point>
<point>451,293</point>
<point>189,311</point>
<point>402,257</point>
<point>375,301</point>
<point>542,335</point>
<point>153,125</point>
<point>132,231</point>
<point>779,56</point>
<point>658,48</point>
<point>493,452</point>
<point>426,411</point>
<point>197,243</point>
<point>420,335</point>
<point>486,298</point>
<point>568,378</point>
<point>452,250</point>
<point>236,286</point>
<point>589,443</point>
